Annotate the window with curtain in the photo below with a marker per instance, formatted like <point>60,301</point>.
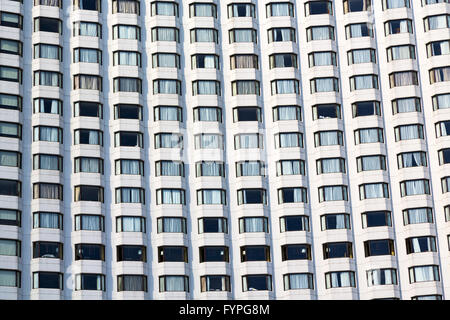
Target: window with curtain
<point>318,7</point>
<point>204,35</point>
<point>340,279</point>
<point>371,219</point>
<point>248,141</point>
<point>10,188</point>
<point>46,105</point>
<point>403,78</point>
<point>437,22</point>
<point>51,3</point>
<point>168,140</point>
<point>211,196</point>
<point>50,134</point>
<point>132,283</point>
<point>244,61</point>
<point>324,85</point>
<point>322,58</point>
<point>242,35</point>
<point>408,132</point>
<point>358,30</point>
<point>45,24</point>
<point>328,138</point>
<point>202,9</point>
<point>11,46</point>
<point>93,5</point>
<point>88,55</point>
<point>361,82</point>
<point>414,187</point>
<point>47,191</point>
<point>417,215</point>
<point>257,282</point>
<point>130,195</point>
<point>378,277</point>
<point>398,26</point>
<point>236,10</point>
<point>289,140</point>
<point>10,247</point>
<point>428,297</point>
<point>128,58</point>
<point>47,51</point>
<point>357,56</point>
<point>244,87</point>
<point>394,4</point>
<point>88,165</point>
<point>281,113</point>
<point>215,283</point>
<point>298,281</point>
<point>208,114</point>
<point>406,105</point>
<point>130,32</point>
<point>10,101</point>
<point>320,33</point>
<point>212,225</point>
<point>424,273</point>
<point>165,60</point>
<point>169,283</point>
<point>251,196</point>
<point>294,223</point>
<point>170,196</point>
<point>290,167</point>
<point>401,52</point>
<point>439,74</point>
<point>166,86</point>
<point>437,48</point>
<point>209,169</point>
<point>50,220</point>
<point>281,35</point>
<point>10,158</point>
<point>125,84</point>
<point>250,168</point>
<point>171,225</point>
<point>280,9</point>
<point>205,61</point>
<point>169,168</point>
<point>208,141</point>
<point>89,222</point>
<point>89,193</point>
<point>165,34</point>
<point>373,191</point>
<point>206,87</point>
<point>442,128</point>
<point>335,221</point>
<point>357,6</point>
<point>130,224</point>
<point>330,165</point>
<point>440,101</point>
<point>288,86</point>
<point>420,244</point>
<point>47,162</point>
<point>129,166</point>
<point>292,195</point>
<point>369,135</point>
<point>88,136</point>
<point>333,193</point>
<point>47,280</point>
<point>9,19</point>
<point>87,81</point>
<point>371,162</point>
<point>445,184</point>
<point>10,278</point>
<point>126,6</point>
<point>168,113</point>
<point>11,74</point>
<point>164,8</point>
<point>89,281</point>
<point>253,224</point>
<point>87,29</point>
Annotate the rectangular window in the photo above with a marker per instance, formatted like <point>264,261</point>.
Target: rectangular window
<point>438,48</point>
<point>403,78</point>
<point>212,225</point>
<point>333,250</point>
<point>324,85</point>
<point>369,135</point>
<point>415,187</point>
<point>169,168</point>
<point>47,280</point>
<point>11,74</point>
<point>441,74</point>
<point>88,136</point>
<point>250,168</point>
<point>362,82</point>
<point>394,4</point>
<point>289,140</point>
<point>257,282</point>
<point>297,281</point>
<point>126,6</point>
<point>50,220</point>
<point>87,29</point>
<point>164,8</point>
<point>87,109</point>
<point>252,196</point>
<point>417,215</point>
<point>320,33</point>
<point>204,35</point>
<point>236,10</point>
<point>173,283</point>
<point>398,26</point>
<point>128,139</point>
<point>255,253</point>
<point>132,283</point>
<point>90,282</point>
<point>333,193</point>
<point>165,34</point>
<point>172,225</point>
<point>292,195</point>
<point>424,273</point>
<point>210,169</point>
<point>47,191</point>
<point>372,219</point>
<point>92,5</point>
<point>330,165</point>
<point>288,86</point>
<point>215,283</point>
<point>9,101</point>
<point>129,32</point>
<point>412,159</point>
<point>202,9</point>
<point>359,30</point>
<point>318,7</point>
<point>357,56</point>
<point>371,162</point>
<point>47,25</point>
<point>294,223</point>
<point>88,193</point>
<point>281,113</point>
<point>170,196</point>
<point>211,197</point>
<point>10,158</point>
<point>47,51</point>
<point>322,58</point>
<point>48,78</point>
<point>401,52</point>
<point>123,84</point>
<point>357,5</point>
<point>214,254</point>
<point>253,224</point>
<point>172,254</point>
<point>89,222</point>
<point>206,87</point>
<point>290,167</point>
<point>328,138</point>
<point>373,191</point>
<point>280,9</point>
<point>47,162</point>
<point>10,248</point>
<point>46,105</point>
<point>47,250</point>
<point>87,55</point>
<point>335,221</point>
<point>166,86</point>
<point>281,35</point>
<point>242,35</point>
<point>377,277</point>
<point>10,278</point>
<point>10,217</point>
<point>130,195</point>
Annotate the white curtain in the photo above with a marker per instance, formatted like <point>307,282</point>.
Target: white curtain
<point>413,187</point>
<point>47,106</point>
<point>46,162</point>
<point>442,74</point>
<point>8,278</point>
<point>245,87</point>
<point>88,29</point>
<point>10,45</point>
<point>203,10</point>
<point>170,196</point>
<point>129,195</point>
<point>52,3</point>
<point>211,196</point>
<point>284,86</point>
<point>174,283</point>
<point>324,85</point>
<point>424,273</point>
<point>438,22</point>
<point>412,159</point>
<point>253,224</point>
<point>374,190</point>
<point>165,8</point>
<point>404,78</point>
<point>287,112</point>
<point>418,215</point>
<point>356,30</point>
<point>48,190</point>
<point>443,101</point>
<point>371,163</point>
<point>131,224</point>
<point>290,167</point>
<point>361,55</point>
<point>89,164</point>
<point>444,130</point>
<point>46,220</point>
<point>243,35</point>
<point>208,141</point>
<point>86,55</point>
<point>408,132</point>
<point>289,140</point>
<point>333,193</point>
<point>165,86</point>
<point>363,82</point>
<point>203,35</point>
<point>323,58</point>
<point>94,137</point>
<point>170,168</point>
<point>89,82</point>
<point>9,215</point>
<point>8,247</point>
<point>248,141</point>
<point>208,114</point>
<point>47,78</point>
<point>341,279</point>
<point>331,165</point>
<point>320,33</point>
<point>126,6</point>
<point>47,134</point>
<point>380,277</point>
<point>172,225</point>
<point>406,105</point>
<point>278,9</point>
<point>133,283</point>
<point>47,51</point>
<point>368,135</point>
<point>329,138</point>
<point>168,140</point>
<point>167,113</point>
<point>401,52</point>
<point>210,168</point>
<point>126,32</point>
<point>11,129</point>
<point>244,61</point>
<point>164,60</point>
<point>10,100</point>
<point>205,87</point>
<point>164,34</point>
<point>250,168</point>
<point>90,222</point>
<point>9,158</point>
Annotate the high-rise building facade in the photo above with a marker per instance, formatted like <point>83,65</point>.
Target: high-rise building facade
<point>234,149</point>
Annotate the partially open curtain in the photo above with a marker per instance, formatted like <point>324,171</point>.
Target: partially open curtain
<point>279,9</point>
<point>93,137</point>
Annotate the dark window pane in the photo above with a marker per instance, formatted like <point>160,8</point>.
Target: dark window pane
<point>172,254</point>
<point>210,254</point>
<point>49,280</point>
<point>365,109</point>
<point>376,219</point>
<point>247,114</point>
<point>295,252</point>
<point>257,283</point>
<point>89,109</point>
<point>254,253</point>
<point>294,223</point>
<point>253,196</point>
<point>131,253</point>
<point>89,252</point>
<point>128,111</point>
<point>337,250</point>
<point>327,111</point>
<point>49,24</point>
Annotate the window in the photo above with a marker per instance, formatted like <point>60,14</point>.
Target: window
<point>296,281</point>
<point>394,4</point>
<point>169,168</point>
<point>328,138</point>
<point>373,191</point>
<point>378,277</point>
<point>369,135</point>
<point>44,24</point>
<point>47,250</point>
<point>130,195</point>
<point>10,278</point>
<point>427,2</point>
<point>292,195</point>
<point>358,30</point>
<point>87,29</point>
<point>281,113</point>
<point>161,60</point>
<point>371,162</point>
<point>281,35</point>
<point>251,196</point>
<point>127,111</point>
<point>428,297</point>
<point>88,193</point>
<point>213,254</point>
<point>215,283</point>
<point>170,196</point>
<point>440,74</point>
<point>437,22</point>
<point>362,82</point>
<point>318,7</point>
<point>46,105</point>
<point>255,253</point>
<point>87,109</point>
<point>173,283</point>
<point>357,56</point>
<point>47,280</point>
<point>206,87</point>
<point>379,247</point>
<point>445,182</point>
<point>168,140</point>
<point>47,162</point>
<point>10,188</point>
<point>289,140</point>
<point>211,196</point>
<point>10,159</point>
<point>89,222</point>
<point>48,51</point>
<point>47,191</point>
<point>417,215</point>
<point>165,34</point>
<point>205,61</point>
<point>212,225</point>
<point>89,281</point>
<point>294,223</point>
<point>10,74</point>
<point>202,9</point>
<point>357,5</point>
<point>424,273</point>
<point>322,58</point>
<point>93,5</point>
<point>420,244</point>
<point>371,219</point>
<point>438,48</point>
<point>207,114</point>
<point>333,250</point>
<point>130,32</point>
<point>123,84</point>
<point>9,19</point>
<point>296,252</point>
<point>209,169</point>
<point>9,101</point>
<point>412,159</point>
<point>247,114</point>
<point>324,85</point>
<point>241,10</point>
<point>242,35</point>
<point>290,167</point>
<point>280,9</point>
<point>88,136</point>
<point>335,221</point>
<point>132,283</point>
<point>126,6</point>
<point>10,217</point>
<point>406,105</point>
<point>442,128</point>
<point>288,86</point>
<point>398,26</point>
<point>403,78</point>
<point>330,165</point>
<point>128,139</point>
<point>164,8</point>
<point>87,55</point>
<point>88,164</point>
<point>131,253</point>
<point>253,224</point>
<point>42,133</point>
<point>401,52</point>
<point>333,193</point>
<point>9,247</point>
<point>172,225</point>
<point>48,78</point>
<point>52,3</point>
<point>414,187</point>
<point>244,87</point>
<point>172,254</point>
<point>248,141</point>
<point>444,156</point>
<point>408,132</point>
<point>257,282</point>
<point>204,35</point>
<point>320,33</point>
<point>166,86</point>
<point>283,60</point>
<point>249,168</point>
<point>132,58</point>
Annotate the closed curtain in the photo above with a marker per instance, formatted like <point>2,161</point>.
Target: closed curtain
<point>424,273</point>
<point>437,22</point>
<point>8,248</point>
<point>127,6</point>
<point>48,51</point>
<point>371,163</point>
<point>363,82</point>
<point>324,85</point>
<point>246,87</point>
<point>251,168</point>
<point>409,132</point>
<point>130,195</point>
<point>128,58</point>
<point>322,59</point>
<point>255,224</point>
<point>12,101</point>
<point>443,101</point>
<point>403,78</point>
<point>8,278</point>
<point>203,10</point>
<point>168,113</point>
<point>47,220</point>
<point>320,33</point>
<point>406,105</point>
<point>329,138</point>
<point>289,140</point>
<point>208,141</point>
<point>165,34</point>
<point>368,135</point>
<point>290,167</point>
<point>331,165</point>
<point>208,114</point>
<point>415,187</point>
<point>48,78</point>
<point>47,162</point>
<point>89,82</point>
<point>244,61</point>
<point>244,35</point>
<point>248,141</point>
<point>11,129</point>
<point>129,85</point>
<point>362,55</point>
<point>131,224</point>
<point>127,32</point>
<point>167,86</point>
<point>89,165</point>
<point>299,281</point>
<point>285,86</point>
<point>90,223</point>
<point>48,134</point>
<point>88,29</point>
<point>287,113</point>
<point>93,137</point>
<point>374,190</point>
<point>173,225</point>
<point>401,52</point>
<point>211,169</point>
<point>340,279</point>
<point>205,87</point>
<point>48,191</point>
<point>418,215</point>
<point>204,35</point>
<point>212,196</point>
<point>333,193</point>
<point>133,283</point>
<point>165,8</point>
<point>171,196</point>
<point>86,55</point>
<point>170,168</point>
<point>174,283</point>
<point>356,30</point>
<point>166,60</point>
<point>8,159</point>
<point>279,9</point>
